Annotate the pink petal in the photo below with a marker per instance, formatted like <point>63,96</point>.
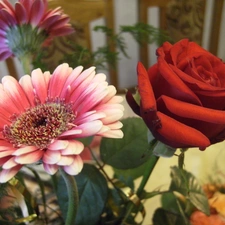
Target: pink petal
<point>114,100</point>
<point>36,12</point>
<point>70,79</point>
<point>10,164</point>
<point>4,121</point>
<point>27,5</point>
<point>39,84</point>
<point>8,18</point>
<point>27,86</point>
<point>5,145</point>
<point>7,104</point>
<point>60,23</point>
<point>112,116</point>
<point>71,132</point>
<point>75,167</point>
<point>88,129</point>
<point>5,55</point>
<point>91,117</point>
<point>84,89</point>
<point>58,79</point>
<point>4,25</point>
<point>58,145</point>
<point>21,13</point>
<point>66,160</point>
<point>65,30</point>
<point>83,78</point>
<point>112,134</point>
<point>4,49</point>
<point>25,150</point>
<point>116,125</point>
<point>29,158</point>
<point>6,153</point>
<point>6,175</point>
<point>103,130</point>
<point>4,159</point>
<point>46,23</point>
<point>51,157</point>
<point>50,169</point>
<point>111,94</point>
<point>5,113</point>
<point>7,5</point>
<point>87,96</point>
<point>74,148</point>
<point>16,93</point>
<point>52,12</point>
<point>3,35</point>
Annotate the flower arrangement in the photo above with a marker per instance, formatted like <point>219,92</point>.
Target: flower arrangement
<point>69,122</point>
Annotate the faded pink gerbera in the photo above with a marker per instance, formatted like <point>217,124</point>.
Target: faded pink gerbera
<point>42,115</point>
<point>28,25</point>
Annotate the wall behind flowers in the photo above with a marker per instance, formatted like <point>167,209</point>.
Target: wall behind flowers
<point>126,14</point>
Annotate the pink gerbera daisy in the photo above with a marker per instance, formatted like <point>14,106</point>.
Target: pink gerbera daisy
<point>28,25</point>
<point>42,115</point>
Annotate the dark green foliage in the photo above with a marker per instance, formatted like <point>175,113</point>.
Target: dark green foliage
<point>93,192</point>
<point>133,149</point>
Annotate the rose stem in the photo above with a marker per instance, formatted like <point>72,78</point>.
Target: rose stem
<point>148,171</point>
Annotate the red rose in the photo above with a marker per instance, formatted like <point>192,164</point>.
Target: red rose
<point>183,96</point>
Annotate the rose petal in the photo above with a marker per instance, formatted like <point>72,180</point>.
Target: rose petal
<point>188,110</point>
<point>176,134</point>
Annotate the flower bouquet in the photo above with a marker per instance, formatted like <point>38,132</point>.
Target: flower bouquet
<point>67,123</point>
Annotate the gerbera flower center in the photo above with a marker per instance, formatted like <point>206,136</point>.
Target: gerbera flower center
<point>40,124</point>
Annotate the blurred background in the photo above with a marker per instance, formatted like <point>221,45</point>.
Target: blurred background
<point>199,20</point>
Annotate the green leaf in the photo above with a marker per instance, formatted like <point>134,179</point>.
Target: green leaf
<point>169,202</point>
<point>93,191</point>
<point>173,204</point>
<point>132,150</point>
<point>145,33</point>
<point>164,217</point>
<point>86,141</point>
<point>130,174</point>
<point>186,184</point>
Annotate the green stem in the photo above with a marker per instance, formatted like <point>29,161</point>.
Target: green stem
<point>73,197</point>
<point>181,158</point>
<point>26,61</point>
<point>148,171</point>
